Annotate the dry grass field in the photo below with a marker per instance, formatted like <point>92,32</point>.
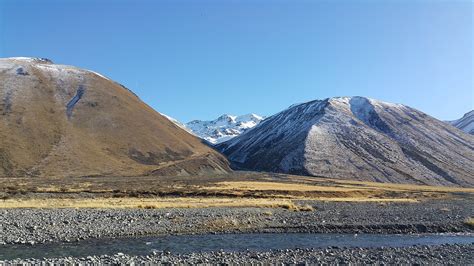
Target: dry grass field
<point>240,189</point>
<point>149,203</point>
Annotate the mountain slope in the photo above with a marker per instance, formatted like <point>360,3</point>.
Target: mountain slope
<point>58,120</point>
<point>465,123</point>
<point>223,128</point>
<point>357,138</point>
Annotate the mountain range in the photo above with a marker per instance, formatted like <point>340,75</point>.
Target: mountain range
<point>61,121</point>
<point>229,126</point>
<point>224,127</point>
<point>58,120</point>
<point>357,138</point>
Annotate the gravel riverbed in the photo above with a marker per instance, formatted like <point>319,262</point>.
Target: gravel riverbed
<point>33,226</point>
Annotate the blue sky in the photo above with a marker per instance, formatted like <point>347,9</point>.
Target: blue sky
<point>199,59</point>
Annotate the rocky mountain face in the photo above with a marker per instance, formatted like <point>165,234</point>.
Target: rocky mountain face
<point>360,139</point>
<point>465,123</point>
<point>223,128</point>
<point>58,120</point>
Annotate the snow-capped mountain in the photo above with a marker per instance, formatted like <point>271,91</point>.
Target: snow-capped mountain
<point>356,138</point>
<point>465,123</point>
<point>223,128</point>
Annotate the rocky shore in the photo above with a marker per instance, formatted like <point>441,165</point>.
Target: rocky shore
<point>33,226</point>
<point>418,255</point>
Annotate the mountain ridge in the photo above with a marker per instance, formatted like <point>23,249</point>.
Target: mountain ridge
<point>465,123</point>
<point>357,138</point>
<point>59,120</point>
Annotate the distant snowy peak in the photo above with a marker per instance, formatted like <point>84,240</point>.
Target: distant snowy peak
<point>224,127</point>
<point>466,123</point>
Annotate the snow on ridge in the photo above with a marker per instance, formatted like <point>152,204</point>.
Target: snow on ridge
<point>363,108</point>
<point>47,64</point>
<point>100,75</point>
<point>31,59</point>
<point>175,121</point>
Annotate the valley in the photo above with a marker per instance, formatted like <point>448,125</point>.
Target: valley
<point>309,204</point>
<point>236,132</point>
<point>83,161</point>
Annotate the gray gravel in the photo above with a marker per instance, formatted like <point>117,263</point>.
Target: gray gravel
<point>427,255</point>
<point>32,226</point>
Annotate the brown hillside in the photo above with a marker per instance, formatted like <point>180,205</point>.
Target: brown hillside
<point>58,120</point>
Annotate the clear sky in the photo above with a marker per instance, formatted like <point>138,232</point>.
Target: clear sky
<point>200,59</point>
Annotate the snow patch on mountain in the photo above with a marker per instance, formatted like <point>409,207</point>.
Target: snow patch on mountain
<point>176,122</point>
<point>223,128</point>
<point>465,123</point>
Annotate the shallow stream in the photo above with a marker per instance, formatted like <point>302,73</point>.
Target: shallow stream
<point>226,242</point>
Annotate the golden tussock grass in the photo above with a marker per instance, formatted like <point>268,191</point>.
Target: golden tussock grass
<point>276,186</point>
<point>147,203</point>
<point>469,222</point>
<point>306,208</point>
<point>154,203</point>
<point>329,193</point>
<point>383,186</point>
<point>262,191</point>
